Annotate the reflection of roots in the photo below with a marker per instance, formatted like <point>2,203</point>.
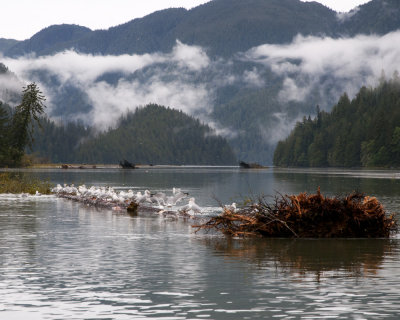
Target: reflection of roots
<point>307,216</point>
<point>357,257</point>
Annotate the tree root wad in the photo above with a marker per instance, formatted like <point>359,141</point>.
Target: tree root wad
<point>307,216</point>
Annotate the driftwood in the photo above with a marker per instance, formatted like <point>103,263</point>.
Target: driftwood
<point>307,216</point>
<point>127,165</point>
<point>245,165</point>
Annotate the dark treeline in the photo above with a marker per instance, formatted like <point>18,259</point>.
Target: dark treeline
<point>151,135</point>
<point>364,132</point>
<point>17,126</point>
<point>58,143</point>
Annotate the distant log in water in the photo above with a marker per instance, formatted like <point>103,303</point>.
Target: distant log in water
<point>246,165</point>
<point>127,165</point>
<point>307,216</point>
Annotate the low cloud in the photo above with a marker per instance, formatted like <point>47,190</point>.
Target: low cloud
<point>110,101</point>
<point>10,88</point>
<point>281,128</point>
<point>253,78</point>
<point>344,16</point>
<point>309,64</point>
<point>192,57</point>
<point>170,86</point>
<point>310,69</point>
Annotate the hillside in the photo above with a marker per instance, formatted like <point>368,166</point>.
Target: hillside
<point>374,17</point>
<point>223,26</point>
<point>151,135</point>
<point>364,132</point>
<point>6,44</point>
<point>49,40</point>
<point>213,72</point>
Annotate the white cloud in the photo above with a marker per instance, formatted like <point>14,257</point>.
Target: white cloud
<point>253,78</point>
<point>81,68</point>
<point>10,89</point>
<point>167,86</point>
<point>344,16</point>
<point>281,128</point>
<point>291,91</point>
<point>310,63</point>
<point>313,69</point>
<point>110,102</point>
<point>192,57</point>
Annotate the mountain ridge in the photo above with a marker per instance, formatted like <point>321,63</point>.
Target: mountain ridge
<point>240,93</point>
<point>206,25</point>
<point>222,26</point>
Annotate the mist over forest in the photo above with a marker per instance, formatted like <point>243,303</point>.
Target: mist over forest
<point>249,70</point>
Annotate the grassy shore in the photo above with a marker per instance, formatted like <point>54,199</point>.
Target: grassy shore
<point>11,182</point>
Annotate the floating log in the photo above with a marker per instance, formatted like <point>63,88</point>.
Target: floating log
<point>246,165</point>
<point>127,165</point>
<point>307,216</point>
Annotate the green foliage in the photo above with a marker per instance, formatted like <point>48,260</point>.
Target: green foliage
<point>364,132</point>
<point>152,135</point>
<point>4,119</point>
<point>157,135</point>
<point>16,130</point>
<point>29,110</point>
<point>19,183</point>
<point>58,142</point>
<point>222,28</point>
<point>21,128</point>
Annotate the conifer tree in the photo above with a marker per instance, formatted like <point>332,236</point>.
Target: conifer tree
<point>21,129</point>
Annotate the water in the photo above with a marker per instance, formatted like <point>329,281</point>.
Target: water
<point>62,260</point>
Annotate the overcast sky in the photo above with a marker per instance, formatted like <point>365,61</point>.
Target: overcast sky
<point>20,19</point>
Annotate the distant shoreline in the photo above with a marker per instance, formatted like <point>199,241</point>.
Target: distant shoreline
<point>116,166</point>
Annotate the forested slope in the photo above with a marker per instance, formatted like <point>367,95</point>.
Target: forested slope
<point>152,135</point>
<point>364,132</point>
<point>223,26</point>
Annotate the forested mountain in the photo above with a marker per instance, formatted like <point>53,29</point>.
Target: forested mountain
<point>223,26</point>
<point>364,132</point>
<point>225,65</point>
<point>49,40</point>
<point>152,135</point>
<point>6,44</point>
<point>374,17</point>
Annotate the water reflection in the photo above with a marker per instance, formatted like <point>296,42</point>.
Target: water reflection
<point>322,258</point>
<point>337,182</point>
<point>63,260</point>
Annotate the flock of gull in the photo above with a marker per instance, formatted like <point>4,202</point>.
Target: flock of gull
<point>161,203</point>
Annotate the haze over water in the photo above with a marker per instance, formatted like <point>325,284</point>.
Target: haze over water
<point>63,260</point>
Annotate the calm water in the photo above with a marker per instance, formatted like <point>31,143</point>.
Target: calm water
<point>63,260</point>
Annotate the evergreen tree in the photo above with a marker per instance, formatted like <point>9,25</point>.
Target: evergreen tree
<point>3,133</point>
<point>21,128</point>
